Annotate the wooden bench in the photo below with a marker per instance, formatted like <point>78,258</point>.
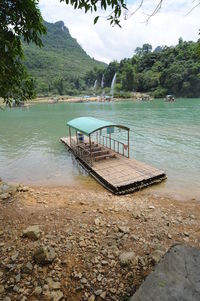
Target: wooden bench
<point>100,152</point>
<point>106,156</point>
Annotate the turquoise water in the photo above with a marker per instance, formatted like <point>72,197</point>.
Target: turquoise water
<point>166,135</point>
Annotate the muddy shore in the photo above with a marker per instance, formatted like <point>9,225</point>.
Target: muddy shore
<point>101,246</point>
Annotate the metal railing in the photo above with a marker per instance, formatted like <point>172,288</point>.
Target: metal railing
<point>115,145</point>
<point>81,152</point>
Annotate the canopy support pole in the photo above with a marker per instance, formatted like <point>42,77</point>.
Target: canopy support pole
<point>90,149</point>
<point>128,145</point>
<point>70,136</point>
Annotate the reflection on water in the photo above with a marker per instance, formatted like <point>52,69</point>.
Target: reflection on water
<point>166,135</point>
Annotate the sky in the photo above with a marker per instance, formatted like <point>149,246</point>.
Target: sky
<point>106,43</point>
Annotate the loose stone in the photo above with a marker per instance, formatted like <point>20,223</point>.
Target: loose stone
<point>37,291</point>
<point>97,222</point>
<point>127,258</point>
<point>32,232</point>
<point>124,229</point>
<point>54,285</point>
<point>92,298</point>
<point>83,280</point>
<point>1,289</point>
<point>5,196</point>
<point>57,295</point>
<point>44,255</point>
<point>27,269</point>
<point>151,207</point>
<point>103,295</point>
<point>156,255</point>
<point>98,292</point>
<point>7,299</point>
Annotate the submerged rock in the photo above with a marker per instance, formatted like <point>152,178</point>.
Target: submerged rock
<point>23,188</point>
<point>5,196</point>
<point>6,188</point>
<point>7,191</point>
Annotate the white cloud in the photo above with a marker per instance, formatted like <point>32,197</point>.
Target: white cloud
<point>107,43</point>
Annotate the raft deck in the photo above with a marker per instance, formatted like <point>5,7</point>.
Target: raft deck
<point>119,174</point>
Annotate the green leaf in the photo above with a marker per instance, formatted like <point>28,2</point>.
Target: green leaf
<point>96,19</point>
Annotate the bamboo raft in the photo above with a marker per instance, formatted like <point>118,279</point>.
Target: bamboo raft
<point>108,162</point>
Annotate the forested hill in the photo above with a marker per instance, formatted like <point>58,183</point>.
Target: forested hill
<point>164,70</point>
<point>59,66</point>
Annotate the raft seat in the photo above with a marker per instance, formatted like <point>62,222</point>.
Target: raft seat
<point>100,152</point>
<point>106,156</point>
<point>92,145</point>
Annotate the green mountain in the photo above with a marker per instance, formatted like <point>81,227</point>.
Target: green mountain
<point>59,66</point>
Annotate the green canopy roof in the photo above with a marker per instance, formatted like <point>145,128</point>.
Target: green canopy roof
<point>88,125</point>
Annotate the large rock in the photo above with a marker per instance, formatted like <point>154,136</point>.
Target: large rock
<point>32,232</point>
<point>44,255</point>
<point>175,278</point>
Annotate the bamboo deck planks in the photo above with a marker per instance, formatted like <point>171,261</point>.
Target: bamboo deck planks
<point>120,174</point>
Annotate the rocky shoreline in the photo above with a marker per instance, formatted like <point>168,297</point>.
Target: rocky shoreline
<point>58,243</point>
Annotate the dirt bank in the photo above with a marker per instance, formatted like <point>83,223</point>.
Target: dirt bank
<point>104,245</point>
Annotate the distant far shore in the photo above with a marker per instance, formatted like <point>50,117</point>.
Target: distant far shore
<point>135,96</point>
<point>80,99</point>
<point>67,99</point>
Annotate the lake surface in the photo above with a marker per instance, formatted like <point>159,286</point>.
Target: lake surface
<point>165,135</point>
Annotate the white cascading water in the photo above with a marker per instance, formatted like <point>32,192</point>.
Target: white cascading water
<point>95,84</point>
<point>102,81</point>
<point>113,85</point>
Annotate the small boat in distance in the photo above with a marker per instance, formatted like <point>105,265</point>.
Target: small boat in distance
<point>170,98</point>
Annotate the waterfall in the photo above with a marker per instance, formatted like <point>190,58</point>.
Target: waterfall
<point>113,85</point>
<point>95,84</point>
<point>102,81</point>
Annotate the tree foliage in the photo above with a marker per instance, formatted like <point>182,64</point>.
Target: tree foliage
<point>115,8</point>
<point>168,70</point>
<point>17,19</point>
